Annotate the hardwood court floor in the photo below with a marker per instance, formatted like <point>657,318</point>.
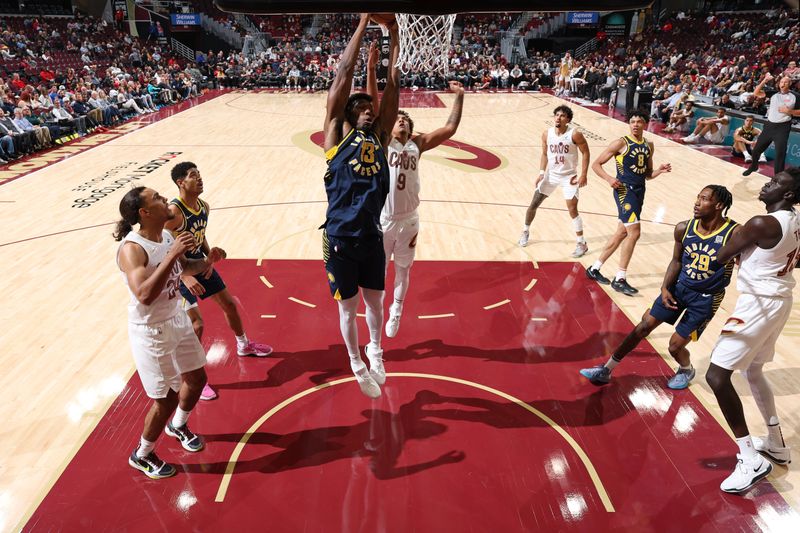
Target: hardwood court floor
<point>65,355</point>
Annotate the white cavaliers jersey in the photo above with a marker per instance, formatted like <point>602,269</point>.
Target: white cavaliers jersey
<point>166,305</point>
<point>562,154</point>
<point>403,198</point>
<point>769,272</point>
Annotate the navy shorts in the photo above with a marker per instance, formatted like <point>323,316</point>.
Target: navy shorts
<point>629,200</point>
<point>212,285</point>
<point>352,262</point>
<point>699,309</point>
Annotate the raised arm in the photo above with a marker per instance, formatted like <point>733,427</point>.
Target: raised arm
<point>390,103</point>
<point>758,92</point>
<point>340,88</point>
<point>428,141</point>
<point>674,267</point>
<point>613,149</point>
<point>373,54</point>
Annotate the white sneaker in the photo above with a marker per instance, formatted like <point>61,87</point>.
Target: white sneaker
<point>690,139</point>
<point>777,454</point>
<point>762,158</point>
<point>747,473</point>
<point>376,369</point>
<point>748,158</point>
<point>392,325</point>
<point>523,240</point>
<point>580,249</point>
<point>364,379</point>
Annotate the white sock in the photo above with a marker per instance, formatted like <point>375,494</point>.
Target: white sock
<point>180,417</point>
<point>597,265</point>
<point>620,274</point>
<point>145,447</point>
<point>581,240</point>
<point>242,341</point>
<point>775,434</point>
<point>526,227</point>
<point>746,449</point>
<point>612,363</point>
<point>689,367</point>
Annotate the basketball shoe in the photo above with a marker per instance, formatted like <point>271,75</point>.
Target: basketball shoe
<point>593,273</point>
<point>681,379</point>
<point>393,324</point>
<point>523,239</point>
<point>376,369</point>
<point>599,374</point>
<point>621,285</point>
<point>365,380</point>
<point>208,393</point>
<point>780,455</point>
<point>748,472</point>
<point>580,249</point>
<point>151,465</point>
<point>254,348</point>
<point>189,441</point>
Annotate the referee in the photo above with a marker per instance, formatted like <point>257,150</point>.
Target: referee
<point>779,123</point>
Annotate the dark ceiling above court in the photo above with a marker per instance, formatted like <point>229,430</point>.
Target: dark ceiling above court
<point>421,7</point>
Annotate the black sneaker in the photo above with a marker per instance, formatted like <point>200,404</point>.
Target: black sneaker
<point>151,465</point>
<point>749,171</point>
<point>621,285</point>
<point>593,273</point>
<point>189,441</point>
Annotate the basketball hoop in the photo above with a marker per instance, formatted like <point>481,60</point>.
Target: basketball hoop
<point>425,42</point>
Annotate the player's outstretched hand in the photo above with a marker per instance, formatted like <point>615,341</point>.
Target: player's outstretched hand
<point>456,86</point>
<point>373,54</point>
<point>194,286</point>
<point>665,167</point>
<point>216,254</point>
<point>183,243</point>
<point>668,300</point>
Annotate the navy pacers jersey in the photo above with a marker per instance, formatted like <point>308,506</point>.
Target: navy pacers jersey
<point>194,222</point>
<point>357,182</point>
<point>632,162</point>
<point>700,270</point>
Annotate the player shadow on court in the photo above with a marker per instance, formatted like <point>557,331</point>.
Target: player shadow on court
<point>324,365</point>
<point>598,407</point>
<point>381,438</point>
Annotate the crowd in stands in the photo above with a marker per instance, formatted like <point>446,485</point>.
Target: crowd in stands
<point>61,78</point>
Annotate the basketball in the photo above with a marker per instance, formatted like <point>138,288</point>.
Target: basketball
<point>384,19</point>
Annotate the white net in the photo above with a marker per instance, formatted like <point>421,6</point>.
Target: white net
<point>425,43</point>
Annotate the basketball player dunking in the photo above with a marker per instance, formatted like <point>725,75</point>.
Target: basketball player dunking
<point>168,355</point>
<point>558,166</point>
<point>769,250</point>
<point>399,218</point>
<point>695,282</point>
<point>190,214</point>
<point>633,155</point>
<point>356,183</point>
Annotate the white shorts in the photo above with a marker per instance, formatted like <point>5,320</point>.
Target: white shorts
<point>714,138</point>
<point>163,352</point>
<point>750,334</point>
<point>400,239</point>
<point>549,184</point>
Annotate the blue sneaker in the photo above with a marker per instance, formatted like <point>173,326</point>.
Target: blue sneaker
<point>597,374</point>
<point>681,379</point>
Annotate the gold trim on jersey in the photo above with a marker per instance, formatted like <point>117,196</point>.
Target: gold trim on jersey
<point>706,237</point>
<point>192,211</point>
<point>330,154</point>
